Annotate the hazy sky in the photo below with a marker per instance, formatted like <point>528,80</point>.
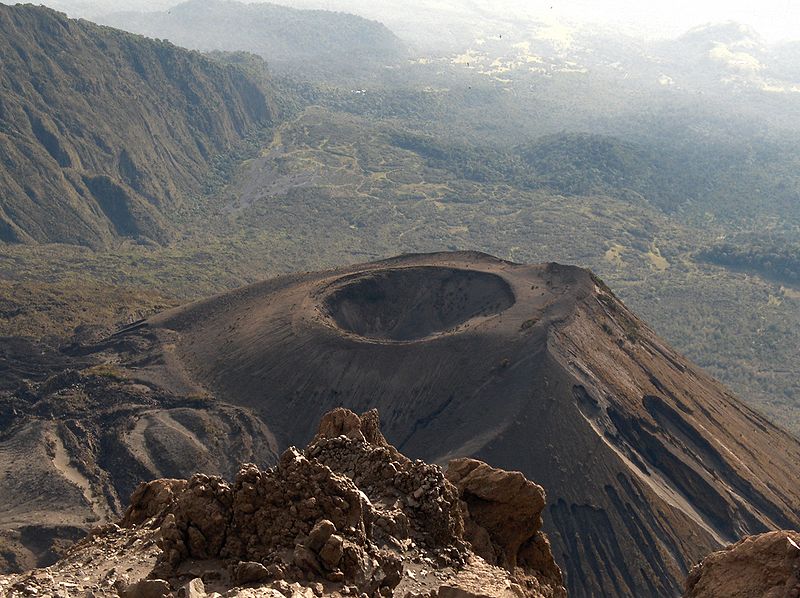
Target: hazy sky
<point>774,19</point>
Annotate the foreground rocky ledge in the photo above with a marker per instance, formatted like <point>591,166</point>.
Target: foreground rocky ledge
<point>763,566</point>
<point>348,516</point>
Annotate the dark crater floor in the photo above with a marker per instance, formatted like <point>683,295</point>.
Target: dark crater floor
<point>406,304</point>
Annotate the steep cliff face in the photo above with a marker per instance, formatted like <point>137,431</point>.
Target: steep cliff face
<point>103,134</point>
<point>347,516</point>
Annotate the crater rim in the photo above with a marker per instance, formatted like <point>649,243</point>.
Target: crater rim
<point>411,304</point>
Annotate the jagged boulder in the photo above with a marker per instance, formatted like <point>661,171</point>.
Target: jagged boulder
<point>503,504</point>
<point>763,566</point>
<point>343,422</point>
<point>151,499</point>
<point>503,517</point>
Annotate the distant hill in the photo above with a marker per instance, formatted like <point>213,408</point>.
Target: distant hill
<point>103,134</point>
<point>787,59</point>
<point>316,40</point>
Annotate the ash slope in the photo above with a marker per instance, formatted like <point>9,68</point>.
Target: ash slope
<point>649,463</point>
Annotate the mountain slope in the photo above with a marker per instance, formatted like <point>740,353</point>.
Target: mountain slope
<point>649,463</point>
<point>77,445</point>
<point>104,134</point>
<point>314,40</point>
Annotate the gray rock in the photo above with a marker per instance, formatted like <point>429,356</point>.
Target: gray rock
<point>251,572</point>
<point>320,534</point>
<point>148,588</point>
<point>194,589</point>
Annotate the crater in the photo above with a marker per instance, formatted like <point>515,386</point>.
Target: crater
<point>406,304</point>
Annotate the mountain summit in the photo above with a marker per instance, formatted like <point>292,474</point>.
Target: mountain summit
<point>308,41</point>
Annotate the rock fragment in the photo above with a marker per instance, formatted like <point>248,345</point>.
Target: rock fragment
<point>766,566</point>
<point>248,572</point>
<point>148,588</point>
<point>194,589</point>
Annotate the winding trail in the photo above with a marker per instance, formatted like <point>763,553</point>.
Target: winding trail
<point>61,461</point>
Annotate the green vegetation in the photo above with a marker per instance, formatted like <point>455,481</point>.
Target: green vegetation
<point>775,256</point>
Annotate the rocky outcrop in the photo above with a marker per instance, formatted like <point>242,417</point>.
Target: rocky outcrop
<point>349,515</point>
<point>503,517</point>
<point>359,510</point>
<point>151,499</point>
<point>764,566</point>
<point>343,422</point>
